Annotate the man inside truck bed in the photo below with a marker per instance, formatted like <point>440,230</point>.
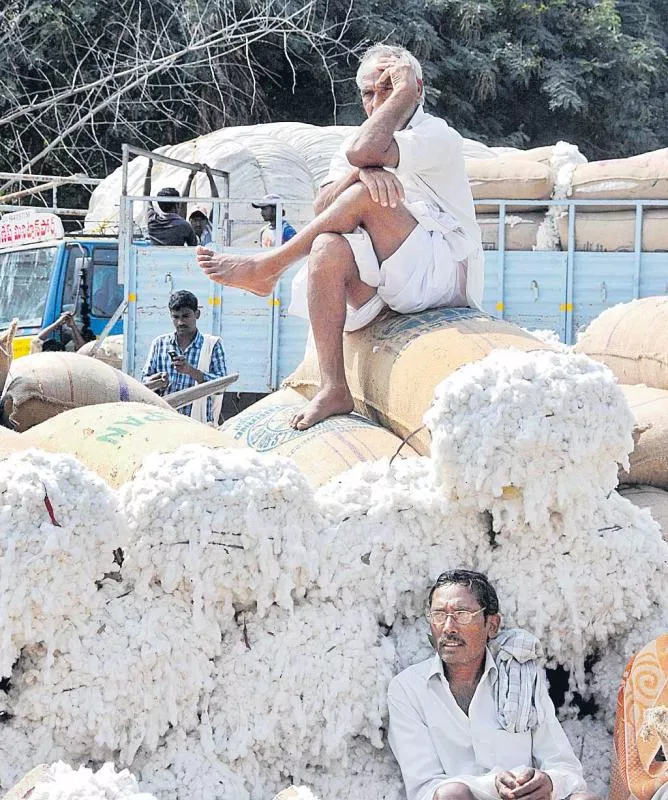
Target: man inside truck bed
<point>168,226</point>
<point>395,226</point>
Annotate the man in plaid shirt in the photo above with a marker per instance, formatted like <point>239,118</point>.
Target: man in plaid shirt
<point>181,359</point>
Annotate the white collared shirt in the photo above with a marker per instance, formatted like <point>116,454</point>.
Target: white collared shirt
<point>435,742</point>
<point>431,151</point>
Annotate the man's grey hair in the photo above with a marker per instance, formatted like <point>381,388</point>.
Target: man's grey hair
<point>378,51</point>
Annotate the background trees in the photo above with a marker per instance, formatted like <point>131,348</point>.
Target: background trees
<point>79,77</point>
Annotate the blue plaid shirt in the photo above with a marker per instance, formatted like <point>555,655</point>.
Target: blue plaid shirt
<point>159,361</point>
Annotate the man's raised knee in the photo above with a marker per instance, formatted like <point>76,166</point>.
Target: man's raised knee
<point>329,249</point>
<point>454,791</point>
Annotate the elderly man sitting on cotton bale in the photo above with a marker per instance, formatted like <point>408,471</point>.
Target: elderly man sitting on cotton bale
<point>474,721</point>
<point>395,226</point>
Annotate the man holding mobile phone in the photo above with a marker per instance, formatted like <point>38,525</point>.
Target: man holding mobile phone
<point>186,357</point>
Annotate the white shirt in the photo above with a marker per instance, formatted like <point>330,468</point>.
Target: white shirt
<point>435,742</point>
<point>431,165</point>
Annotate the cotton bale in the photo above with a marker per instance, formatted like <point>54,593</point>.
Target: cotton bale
<point>321,452</point>
<point>112,439</point>
<point>322,671</point>
<point>650,498</point>
<point>631,339</point>
<point>614,231</point>
<point>390,532</point>
<point>119,679</point>
<point>529,434</point>
<point>59,527</point>
<point>642,177</point>
<point>394,364</point>
<point>110,351</point>
<point>521,230</point>
<point>223,527</point>
<point>649,459</point>
<point>43,385</point>
<point>508,179</point>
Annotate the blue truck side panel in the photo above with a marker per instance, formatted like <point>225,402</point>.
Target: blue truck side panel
<point>264,344</point>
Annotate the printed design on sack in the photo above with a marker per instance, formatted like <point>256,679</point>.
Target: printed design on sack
<point>269,428</point>
<point>398,332</point>
<point>112,433</point>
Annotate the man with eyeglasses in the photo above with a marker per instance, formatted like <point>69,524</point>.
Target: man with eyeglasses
<point>474,721</point>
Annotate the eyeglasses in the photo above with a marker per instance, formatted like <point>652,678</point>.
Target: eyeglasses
<point>460,617</point>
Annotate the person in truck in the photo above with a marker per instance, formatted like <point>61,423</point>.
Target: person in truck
<point>168,227</point>
<point>186,357</point>
<point>475,721</point>
<point>72,341</point>
<point>394,226</point>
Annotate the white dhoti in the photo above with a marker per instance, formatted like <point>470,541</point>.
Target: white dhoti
<point>428,270</point>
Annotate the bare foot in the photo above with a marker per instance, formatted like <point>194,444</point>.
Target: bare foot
<point>252,273</point>
<point>328,402</point>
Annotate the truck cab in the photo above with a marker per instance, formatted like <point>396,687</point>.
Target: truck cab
<point>41,279</point>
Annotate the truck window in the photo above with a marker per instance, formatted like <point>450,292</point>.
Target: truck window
<point>25,277</point>
<point>106,294</point>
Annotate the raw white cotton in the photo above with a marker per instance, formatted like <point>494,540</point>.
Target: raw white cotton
<point>120,680</point>
<point>563,161</point>
<point>225,526</point>
<point>48,567</point>
<point>577,587</point>
<point>550,337</point>
<point>592,743</point>
<point>608,670</point>
<point>185,768</point>
<point>61,782</point>
<point>294,688</point>
<point>548,427</point>
<point>390,533</point>
<point>369,772</point>
<point>410,641</point>
<point>21,748</point>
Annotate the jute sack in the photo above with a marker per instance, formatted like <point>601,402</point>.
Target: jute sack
<point>110,351</point>
<point>656,500</point>
<point>10,442</point>
<point>45,384</point>
<point>321,452</point>
<point>521,230</point>
<point>543,155</point>
<point>112,439</point>
<point>614,231</point>
<point>508,179</point>
<point>6,351</point>
<point>649,459</point>
<point>643,177</point>
<point>632,339</point>
<point>394,364</point>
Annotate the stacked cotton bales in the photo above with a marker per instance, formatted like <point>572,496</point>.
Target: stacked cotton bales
<point>632,340</point>
<point>612,228</point>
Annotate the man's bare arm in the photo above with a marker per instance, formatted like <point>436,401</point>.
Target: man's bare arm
<point>330,191</point>
<point>374,144</point>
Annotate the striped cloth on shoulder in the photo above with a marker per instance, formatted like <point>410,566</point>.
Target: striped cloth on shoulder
<point>517,655</point>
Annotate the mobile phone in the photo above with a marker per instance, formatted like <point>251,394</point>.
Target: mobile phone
<point>172,354</point>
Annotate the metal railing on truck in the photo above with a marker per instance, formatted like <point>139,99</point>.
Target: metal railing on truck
<point>588,282</point>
